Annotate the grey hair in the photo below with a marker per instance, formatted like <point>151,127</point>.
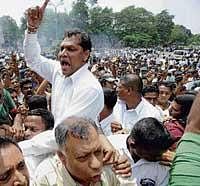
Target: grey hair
<point>78,127</point>
<point>133,81</point>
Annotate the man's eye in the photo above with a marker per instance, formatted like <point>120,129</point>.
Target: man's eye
<point>21,165</point>
<point>82,158</point>
<point>71,49</point>
<point>62,48</point>
<point>98,152</point>
<point>5,177</point>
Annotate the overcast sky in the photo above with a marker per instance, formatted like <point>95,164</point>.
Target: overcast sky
<point>186,12</point>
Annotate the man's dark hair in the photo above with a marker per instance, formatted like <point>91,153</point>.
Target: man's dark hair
<point>168,84</point>
<point>78,127</point>
<point>37,101</point>
<point>5,142</point>
<point>150,89</point>
<point>47,117</point>
<point>24,82</point>
<point>150,134</point>
<point>110,97</point>
<point>133,81</point>
<point>85,41</point>
<point>186,101</point>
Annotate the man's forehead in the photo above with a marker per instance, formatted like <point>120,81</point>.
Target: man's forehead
<point>83,145</point>
<point>73,38</point>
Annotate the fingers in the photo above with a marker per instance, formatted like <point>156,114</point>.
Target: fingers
<point>123,167</point>
<point>110,157</point>
<point>43,7</point>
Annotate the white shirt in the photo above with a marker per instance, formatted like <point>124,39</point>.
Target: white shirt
<point>144,169</point>
<point>129,117</point>
<point>105,124</point>
<point>79,94</point>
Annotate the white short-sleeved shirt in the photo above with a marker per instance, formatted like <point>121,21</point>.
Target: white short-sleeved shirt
<point>143,169</point>
<point>129,117</point>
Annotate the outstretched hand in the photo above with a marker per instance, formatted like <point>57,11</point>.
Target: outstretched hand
<point>35,15</point>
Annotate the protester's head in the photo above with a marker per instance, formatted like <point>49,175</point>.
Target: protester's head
<point>80,149</point>
<point>181,106</point>
<point>148,139</point>
<point>37,101</point>
<point>151,93</point>
<point>14,95</point>
<point>74,51</point>
<point>37,121</point>
<point>165,91</point>
<point>110,99</point>
<point>26,86</point>
<point>129,85</point>
<point>13,170</point>
<point>108,82</point>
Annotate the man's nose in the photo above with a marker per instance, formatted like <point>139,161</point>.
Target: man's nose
<point>95,163</point>
<point>19,179</point>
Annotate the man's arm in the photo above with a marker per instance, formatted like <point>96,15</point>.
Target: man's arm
<point>43,66</point>
<point>193,123</point>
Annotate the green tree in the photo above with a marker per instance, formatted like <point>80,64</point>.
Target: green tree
<point>180,34</point>
<point>131,22</point>
<point>194,40</point>
<point>164,25</point>
<point>79,14</point>
<point>10,31</point>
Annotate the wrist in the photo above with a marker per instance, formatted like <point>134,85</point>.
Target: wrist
<point>31,29</point>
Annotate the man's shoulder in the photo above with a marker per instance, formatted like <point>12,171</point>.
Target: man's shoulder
<point>147,170</point>
<point>48,171</point>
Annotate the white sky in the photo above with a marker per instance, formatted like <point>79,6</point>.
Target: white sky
<point>186,11</point>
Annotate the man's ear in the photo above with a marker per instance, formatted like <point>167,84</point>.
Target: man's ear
<point>86,55</point>
<point>62,157</point>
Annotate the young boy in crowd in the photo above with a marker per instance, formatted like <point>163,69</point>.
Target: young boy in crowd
<point>146,143</point>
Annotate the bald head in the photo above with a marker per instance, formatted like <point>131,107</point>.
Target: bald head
<point>133,81</point>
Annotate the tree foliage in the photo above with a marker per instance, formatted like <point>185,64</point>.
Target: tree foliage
<point>134,27</point>
<point>180,34</point>
<point>10,31</point>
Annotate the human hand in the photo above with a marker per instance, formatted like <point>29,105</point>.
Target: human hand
<point>8,130</point>
<point>35,16</point>
<point>167,158</point>
<point>123,166</point>
<point>110,154</point>
<point>115,126</point>
<point>18,128</point>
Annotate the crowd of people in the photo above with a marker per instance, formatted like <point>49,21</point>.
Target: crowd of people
<point>131,118</point>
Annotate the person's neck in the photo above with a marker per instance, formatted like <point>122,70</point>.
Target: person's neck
<point>105,114</point>
<point>133,102</point>
<point>164,106</point>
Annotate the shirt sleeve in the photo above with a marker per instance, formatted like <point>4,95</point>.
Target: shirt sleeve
<point>39,144</point>
<point>9,101</point>
<point>43,66</point>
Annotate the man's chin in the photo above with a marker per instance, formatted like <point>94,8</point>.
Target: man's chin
<point>96,178</point>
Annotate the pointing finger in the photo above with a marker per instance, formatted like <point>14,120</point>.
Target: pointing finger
<point>43,7</point>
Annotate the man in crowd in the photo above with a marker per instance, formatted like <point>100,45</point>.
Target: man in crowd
<point>13,170</point>
<point>186,165</point>
<point>7,106</point>
<point>75,91</point>
<point>131,106</point>
<point>80,159</point>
